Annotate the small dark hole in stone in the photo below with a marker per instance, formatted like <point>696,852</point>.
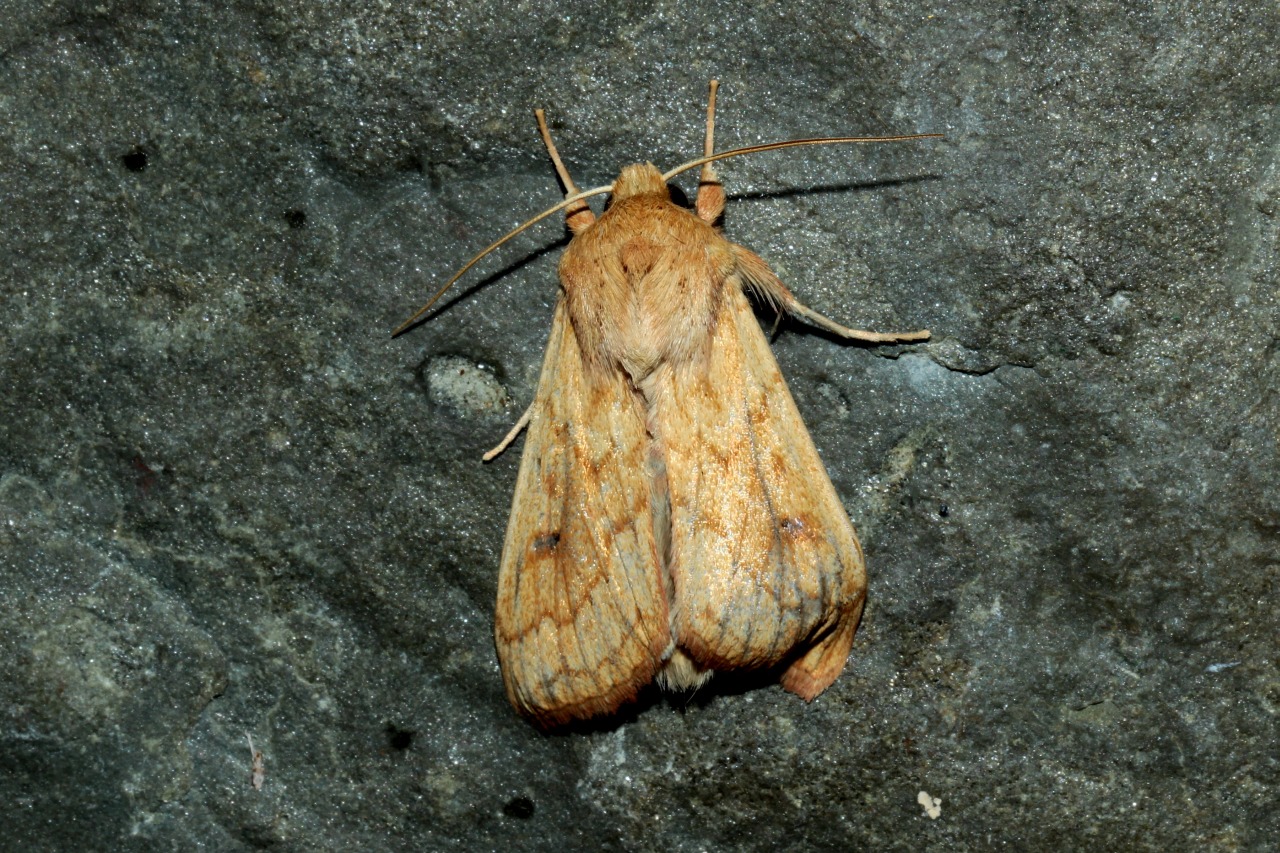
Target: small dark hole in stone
<point>944,510</point>
<point>399,739</point>
<point>135,160</point>
<point>520,808</point>
<point>295,217</point>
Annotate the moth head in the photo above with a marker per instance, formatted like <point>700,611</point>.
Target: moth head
<point>640,179</point>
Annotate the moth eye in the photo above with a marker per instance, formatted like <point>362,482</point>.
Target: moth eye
<point>547,542</point>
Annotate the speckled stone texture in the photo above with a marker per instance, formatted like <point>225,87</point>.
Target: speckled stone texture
<point>231,505</point>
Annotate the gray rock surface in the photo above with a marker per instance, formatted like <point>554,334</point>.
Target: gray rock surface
<point>231,505</point>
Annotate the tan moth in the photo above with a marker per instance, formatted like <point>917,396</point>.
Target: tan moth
<point>671,516</point>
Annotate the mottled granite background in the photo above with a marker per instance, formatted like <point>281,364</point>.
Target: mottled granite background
<point>232,505</point>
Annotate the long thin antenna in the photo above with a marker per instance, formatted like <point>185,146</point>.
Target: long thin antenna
<point>471,263</point>
<point>795,143</point>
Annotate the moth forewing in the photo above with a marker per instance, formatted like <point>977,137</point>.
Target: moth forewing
<point>581,623</point>
<point>764,560</point>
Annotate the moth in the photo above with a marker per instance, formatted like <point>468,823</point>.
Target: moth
<point>672,517</point>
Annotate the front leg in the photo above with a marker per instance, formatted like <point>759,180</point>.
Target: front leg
<point>710,203</point>
<point>577,216</point>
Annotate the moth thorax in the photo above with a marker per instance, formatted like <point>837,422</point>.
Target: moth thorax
<point>640,179</point>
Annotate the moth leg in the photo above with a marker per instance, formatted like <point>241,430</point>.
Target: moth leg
<point>756,274</point>
<point>710,203</point>
<point>510,436</point>
<point>794,307</point>
<point>577,215</point>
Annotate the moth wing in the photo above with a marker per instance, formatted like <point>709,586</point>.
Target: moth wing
<point>582,615</point>
<point>765,565</point>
